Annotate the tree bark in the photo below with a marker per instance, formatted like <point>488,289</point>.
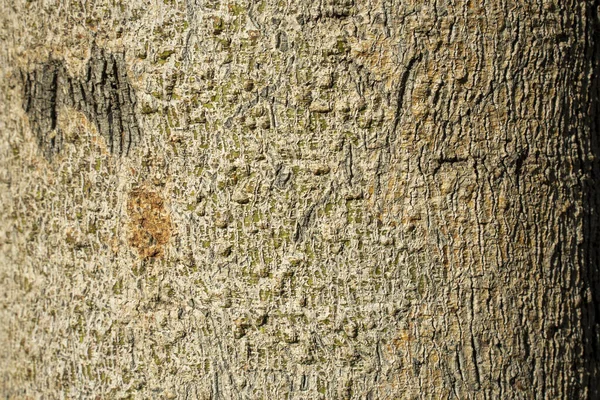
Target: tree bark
<point>337,199</point>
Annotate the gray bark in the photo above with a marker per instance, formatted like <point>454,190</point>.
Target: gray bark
<point>337,199</point>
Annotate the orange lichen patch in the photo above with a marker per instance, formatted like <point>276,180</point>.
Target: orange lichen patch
<point>149,222</point>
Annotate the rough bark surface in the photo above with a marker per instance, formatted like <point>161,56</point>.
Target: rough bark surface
<point>337,199</point>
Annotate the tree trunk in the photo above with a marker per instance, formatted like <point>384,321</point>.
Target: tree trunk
<point>336,199</point>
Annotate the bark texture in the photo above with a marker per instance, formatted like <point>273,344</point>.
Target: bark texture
<point>336,199</point>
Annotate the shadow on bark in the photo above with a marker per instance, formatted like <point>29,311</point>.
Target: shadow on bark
<point>590,251</point>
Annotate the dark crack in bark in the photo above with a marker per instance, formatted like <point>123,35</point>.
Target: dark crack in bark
<point>104,95</point>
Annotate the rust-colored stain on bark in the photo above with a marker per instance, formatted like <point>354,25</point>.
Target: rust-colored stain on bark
<point>149,222</point>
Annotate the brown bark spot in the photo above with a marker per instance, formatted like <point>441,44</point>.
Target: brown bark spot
<point>149,222</point>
